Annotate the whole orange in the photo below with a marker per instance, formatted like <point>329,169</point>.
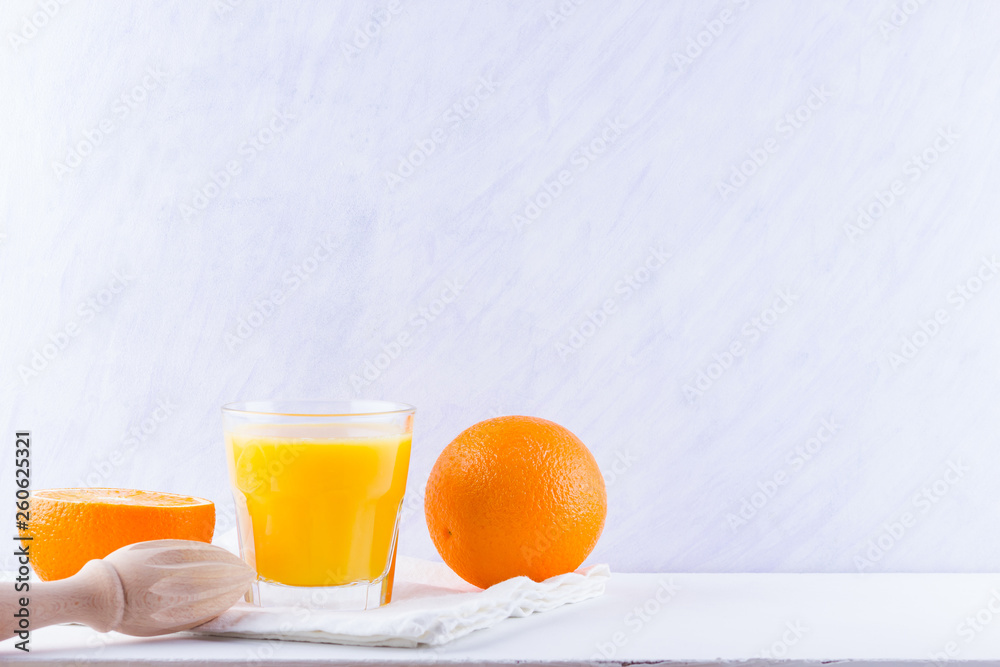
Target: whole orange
<point>69,527</point>
<point>515,496</point>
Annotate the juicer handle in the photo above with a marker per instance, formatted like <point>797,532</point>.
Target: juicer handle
<point>92,596</point>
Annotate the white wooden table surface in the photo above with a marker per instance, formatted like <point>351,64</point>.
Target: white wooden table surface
<point>644,618</point>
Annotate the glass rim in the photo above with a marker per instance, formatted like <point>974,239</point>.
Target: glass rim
<point>314,408</point>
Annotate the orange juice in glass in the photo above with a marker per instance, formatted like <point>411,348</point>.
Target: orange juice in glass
<point>318,490</point>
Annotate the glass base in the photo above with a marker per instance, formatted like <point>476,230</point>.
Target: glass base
<point>352,597</point>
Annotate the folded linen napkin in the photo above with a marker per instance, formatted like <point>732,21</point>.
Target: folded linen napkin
<point>430,606</point>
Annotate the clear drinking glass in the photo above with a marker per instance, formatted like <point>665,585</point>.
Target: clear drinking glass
<point>318,489</point>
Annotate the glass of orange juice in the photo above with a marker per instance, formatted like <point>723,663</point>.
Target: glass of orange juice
<point>318,489</point>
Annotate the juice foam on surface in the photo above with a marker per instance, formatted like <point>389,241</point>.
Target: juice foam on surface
<point>322,499</point>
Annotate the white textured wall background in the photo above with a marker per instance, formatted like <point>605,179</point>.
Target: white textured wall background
<point>331,122</point>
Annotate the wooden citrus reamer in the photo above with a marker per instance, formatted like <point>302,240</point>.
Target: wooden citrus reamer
<point>144,589</point>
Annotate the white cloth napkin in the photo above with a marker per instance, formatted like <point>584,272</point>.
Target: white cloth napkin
<point>430,606</point>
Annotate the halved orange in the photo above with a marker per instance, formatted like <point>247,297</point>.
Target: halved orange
<point>69,527</point>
